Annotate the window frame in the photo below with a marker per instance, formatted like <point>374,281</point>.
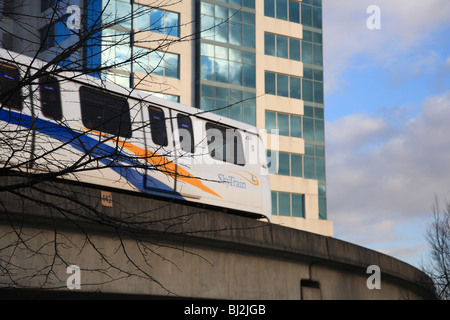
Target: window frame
<point>224,155</point>
<point>91,96</point>
<point>50,109</point>
<point>189,127</point>
<point>15,100</point>
<point>275,196</point>
<point>159,133</point>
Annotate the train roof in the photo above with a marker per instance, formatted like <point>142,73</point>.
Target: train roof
<point>26,61</point>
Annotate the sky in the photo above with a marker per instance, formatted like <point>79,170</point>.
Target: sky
<point>387,107</point>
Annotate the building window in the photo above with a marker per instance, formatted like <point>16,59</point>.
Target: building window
<point>117,12</point>
<point>227,25</point>
<point>227,65</point>
<point>232,103</point>
<point>281,46</point>
<point>282,85</point>
<point>166,96</point>
<point>312,13</point>
<point>157,63</point>
<point>287,124</point>
<point>288,204</point>
<point>285,164</point>
<point>314,162</point>
<point>312,48</point>
<point>116,49</point>
<point>311,165</point>
<point>313,124</point>
<point>282,9</point>
<point>155,20</point>
<point>312,85</point>
<point>322,200</point>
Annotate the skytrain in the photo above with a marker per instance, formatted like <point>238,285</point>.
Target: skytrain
<point>79,128</point>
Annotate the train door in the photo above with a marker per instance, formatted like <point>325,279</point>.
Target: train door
<point>16,115</point>
<point>187,141</point>
<point>160,171</point>
<point>47,118</point>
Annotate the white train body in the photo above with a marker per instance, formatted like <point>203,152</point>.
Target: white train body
<point>80,128</point>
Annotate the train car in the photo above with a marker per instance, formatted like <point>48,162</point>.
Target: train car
<point>76,127</point>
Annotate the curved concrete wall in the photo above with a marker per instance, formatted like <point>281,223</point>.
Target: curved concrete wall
<point>187,252</point>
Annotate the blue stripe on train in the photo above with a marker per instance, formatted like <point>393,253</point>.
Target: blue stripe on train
<point>107,155</point>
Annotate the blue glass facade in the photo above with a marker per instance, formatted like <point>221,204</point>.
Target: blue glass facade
<point>225,69</point>
<point>226,63</point>
<point>309,88</point>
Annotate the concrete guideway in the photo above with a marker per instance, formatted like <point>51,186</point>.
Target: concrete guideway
<point>174,250</point>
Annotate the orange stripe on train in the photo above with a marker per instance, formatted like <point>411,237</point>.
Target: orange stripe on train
<point>169,168</point>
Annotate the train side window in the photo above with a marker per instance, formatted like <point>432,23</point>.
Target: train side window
<point>225,144</point>
<point>10,96</point>
<point>104,112</point>
<point>50,97</point>
<point>186,133</point>
<point>158,126</point>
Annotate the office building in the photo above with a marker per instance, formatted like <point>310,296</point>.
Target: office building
<point>256,61</point>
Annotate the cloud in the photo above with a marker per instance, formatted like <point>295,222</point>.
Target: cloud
<point>382,177</point>
<point>406,26</point>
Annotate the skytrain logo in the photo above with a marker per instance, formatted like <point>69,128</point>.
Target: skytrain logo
<point>232,181</point>
<point>244,177</point>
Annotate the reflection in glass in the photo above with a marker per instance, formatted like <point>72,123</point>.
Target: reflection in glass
<point>296,126</point>
<point>157,21</point>
<point>269,44</point>
<point>284,164</point>
<point>283,124</point>
<point>284,204</point>
<point>294,11</point>
<point>281,9</point>
<point>282,47</point>
<point>307,54</point>
<point>221,70</point>
<point>271,118</point>
<point>294,49</point>
<point>296,165</point>
<point>282,85</point>
<point>307,90</point>
<point>236,33</point>
<point>294,87</point>
<point>297,205</point>
<point>309,171</point>
<point>270,83</point>
<point>207,68</point>
<point>249,76</point>
<point>235,73</point>
<point>269,8</point>
<point>248,36</point>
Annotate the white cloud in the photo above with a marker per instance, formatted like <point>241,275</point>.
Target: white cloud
<point>405,26</point>
<point>381,178</point>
